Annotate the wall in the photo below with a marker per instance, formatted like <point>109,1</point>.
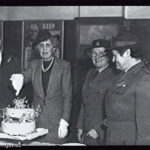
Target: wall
<point>71,12</point>
<point>58,12</point>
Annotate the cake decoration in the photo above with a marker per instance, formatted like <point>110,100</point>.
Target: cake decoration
<point>20,119</point>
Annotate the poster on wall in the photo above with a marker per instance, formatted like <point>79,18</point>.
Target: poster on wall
<point>30,32</point>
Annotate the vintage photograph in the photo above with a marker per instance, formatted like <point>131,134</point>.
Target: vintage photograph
<point>74,76</point>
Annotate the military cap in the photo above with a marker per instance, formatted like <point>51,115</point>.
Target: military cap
<point>125,40</point>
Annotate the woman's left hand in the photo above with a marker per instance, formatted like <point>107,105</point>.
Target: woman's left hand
<point>93,133</point>
<point>63,129</point>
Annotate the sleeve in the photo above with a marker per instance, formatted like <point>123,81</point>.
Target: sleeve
<point>99,129</point>
<point>80,123</point>
<point>142,111</point>
<point>99,125</point>
<point>28,74</point>
<point>15,65</point>
<point>81,119</point>
<point>67,92</point>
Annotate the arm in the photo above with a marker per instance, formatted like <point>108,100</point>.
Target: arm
<point>100,122</point>
<point>142,111</point>
<point>27,74</point>
<point>81,120</point>
<point>67,92</point>
<point>15,62</point>
<point>67,97</point>
<point>80,123</point>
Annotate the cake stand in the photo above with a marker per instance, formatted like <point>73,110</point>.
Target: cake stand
<point>19,139</point>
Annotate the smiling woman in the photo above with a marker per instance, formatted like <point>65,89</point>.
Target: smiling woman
<point>43,44</point>
<point>99,57</point>
<point>45,49</point>
<point>52,88</point>
<point>97,82</point>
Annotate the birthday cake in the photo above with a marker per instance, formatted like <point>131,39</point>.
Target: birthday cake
<point>20,119</point>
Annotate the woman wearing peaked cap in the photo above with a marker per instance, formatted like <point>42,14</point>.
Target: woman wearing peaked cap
<point>52,89</point>
<point>97,82</point>
<point>128,99</point>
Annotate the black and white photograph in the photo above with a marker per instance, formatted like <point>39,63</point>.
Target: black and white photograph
<point>74,76</point>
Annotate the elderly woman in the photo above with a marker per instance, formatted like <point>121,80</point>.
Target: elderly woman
<point>52,89</point>
<point>96,84</point>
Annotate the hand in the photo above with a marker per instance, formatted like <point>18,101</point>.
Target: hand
<point>17,82</point>
<point>79,135</point>
<point>63,129</point>
<point>93,133</point>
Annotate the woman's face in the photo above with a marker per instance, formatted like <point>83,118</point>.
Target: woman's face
<point>45,49</point>
<point>99,57</point>
<point>120,61</point>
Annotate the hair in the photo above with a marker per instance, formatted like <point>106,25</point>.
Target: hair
<point>136,52</point>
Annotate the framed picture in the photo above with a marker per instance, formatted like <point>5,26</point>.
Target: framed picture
<point>90,29</point>
<point>30,32</point>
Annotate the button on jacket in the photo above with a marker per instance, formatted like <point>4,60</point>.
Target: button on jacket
<point>128,108</point>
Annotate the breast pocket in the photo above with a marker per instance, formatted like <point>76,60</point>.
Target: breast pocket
<point>120,90</point>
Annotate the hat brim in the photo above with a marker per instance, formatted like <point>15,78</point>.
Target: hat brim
<point>124,47</point>
<point>88,51</point>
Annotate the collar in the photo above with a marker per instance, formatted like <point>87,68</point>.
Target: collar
<point>101,69</point>
<point>133,66</point>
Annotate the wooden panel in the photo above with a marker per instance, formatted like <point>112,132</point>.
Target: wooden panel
<point>13,37</point>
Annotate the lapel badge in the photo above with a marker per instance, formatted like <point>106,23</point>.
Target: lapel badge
<point>9,59</point>
<point>121,84</point>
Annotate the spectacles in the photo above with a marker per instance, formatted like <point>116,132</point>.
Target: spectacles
<point>99,54</point>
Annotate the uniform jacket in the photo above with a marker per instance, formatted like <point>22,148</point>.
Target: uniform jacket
<point>128,108</point>
<point>57,103</point>
<point>93,93</point>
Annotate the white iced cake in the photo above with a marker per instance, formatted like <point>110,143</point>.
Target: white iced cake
<point>19,120</point>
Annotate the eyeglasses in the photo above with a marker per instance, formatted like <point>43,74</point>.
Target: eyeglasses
<point>99,54</point>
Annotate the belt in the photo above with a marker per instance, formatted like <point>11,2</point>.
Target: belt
<point>107,122</point>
